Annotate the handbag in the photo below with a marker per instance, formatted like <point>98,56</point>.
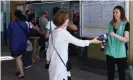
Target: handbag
<point>34,32</point>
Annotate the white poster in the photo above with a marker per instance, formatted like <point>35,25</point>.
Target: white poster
<point>95,16</point>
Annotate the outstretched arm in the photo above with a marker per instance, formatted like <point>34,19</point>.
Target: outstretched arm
<point>78,42</point>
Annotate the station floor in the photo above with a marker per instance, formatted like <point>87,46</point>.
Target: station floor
<point>38,72</point>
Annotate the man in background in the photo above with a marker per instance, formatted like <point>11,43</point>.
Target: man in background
<point>42,23</point>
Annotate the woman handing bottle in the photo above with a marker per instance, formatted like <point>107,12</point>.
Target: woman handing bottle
<point>57,52</point>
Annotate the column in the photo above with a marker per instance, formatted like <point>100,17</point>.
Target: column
<point>131,31</point>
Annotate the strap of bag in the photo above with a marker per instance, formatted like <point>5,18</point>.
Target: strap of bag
<point>50,29</point>
<point>57,51</point>
<point>22,28</point>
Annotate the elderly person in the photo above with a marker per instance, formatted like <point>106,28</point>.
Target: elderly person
<point>51,26</point>
<point>57,52</point>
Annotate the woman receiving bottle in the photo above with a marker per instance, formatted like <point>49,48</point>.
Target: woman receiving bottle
<point>118,30</point>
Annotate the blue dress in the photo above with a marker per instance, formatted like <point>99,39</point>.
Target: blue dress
<point>17,37</point>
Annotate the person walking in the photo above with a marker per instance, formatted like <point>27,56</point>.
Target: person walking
<point>18,32</point>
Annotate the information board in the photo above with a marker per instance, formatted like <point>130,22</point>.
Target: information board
<point>95,16</point>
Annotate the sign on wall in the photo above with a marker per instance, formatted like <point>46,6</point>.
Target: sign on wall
<point>95,16</point>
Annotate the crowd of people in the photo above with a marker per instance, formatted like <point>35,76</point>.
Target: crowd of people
<point>56,33</point>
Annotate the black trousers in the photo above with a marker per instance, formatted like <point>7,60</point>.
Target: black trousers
<point>42,41</point>
<point>121,65</point>
<point>27,58</point>
<point>69,78</point>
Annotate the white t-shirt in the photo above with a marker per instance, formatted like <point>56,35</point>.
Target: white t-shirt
<point>29,44</point>
<point>30,25</point>
<point>52,25</point>
<point>42,22</point>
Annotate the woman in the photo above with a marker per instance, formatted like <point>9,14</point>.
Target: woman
<point>51,26</point>
<point>18,32</point>
<point>27,57</point>
<point>35,32</point>
<point>32,25</point>
<point>58,43</point>
<point>116,49</point>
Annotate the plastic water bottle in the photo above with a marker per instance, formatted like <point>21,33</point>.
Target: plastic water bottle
<point>102,37</point>
<point>102,45</point>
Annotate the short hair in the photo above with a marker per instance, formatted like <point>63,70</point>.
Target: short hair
<point>27,11</point>
<point>19,14</point>
<point>60,18</point>
<point>45,12</point>
<point>122,15</point>
<point>55,10</point>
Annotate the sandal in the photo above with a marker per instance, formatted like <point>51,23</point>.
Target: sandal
<point>20,76</point>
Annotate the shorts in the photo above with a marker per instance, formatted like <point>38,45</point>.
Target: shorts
<point>17,53</point>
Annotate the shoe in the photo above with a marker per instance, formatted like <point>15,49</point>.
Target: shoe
<point>38,58</point>
<point>69,78</point>
<point>37,61</point>
<point>27,67</point>
<point>21,76</point>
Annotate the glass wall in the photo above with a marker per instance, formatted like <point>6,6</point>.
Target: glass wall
<point>41,7</point>
<point>5,19</point>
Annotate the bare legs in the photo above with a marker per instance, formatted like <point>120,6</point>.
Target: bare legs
<point>19,66</point>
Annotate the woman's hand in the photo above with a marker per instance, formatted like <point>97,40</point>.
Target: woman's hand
<point>112,34</point>
<point>95,41</point>
<point>124,39</point>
